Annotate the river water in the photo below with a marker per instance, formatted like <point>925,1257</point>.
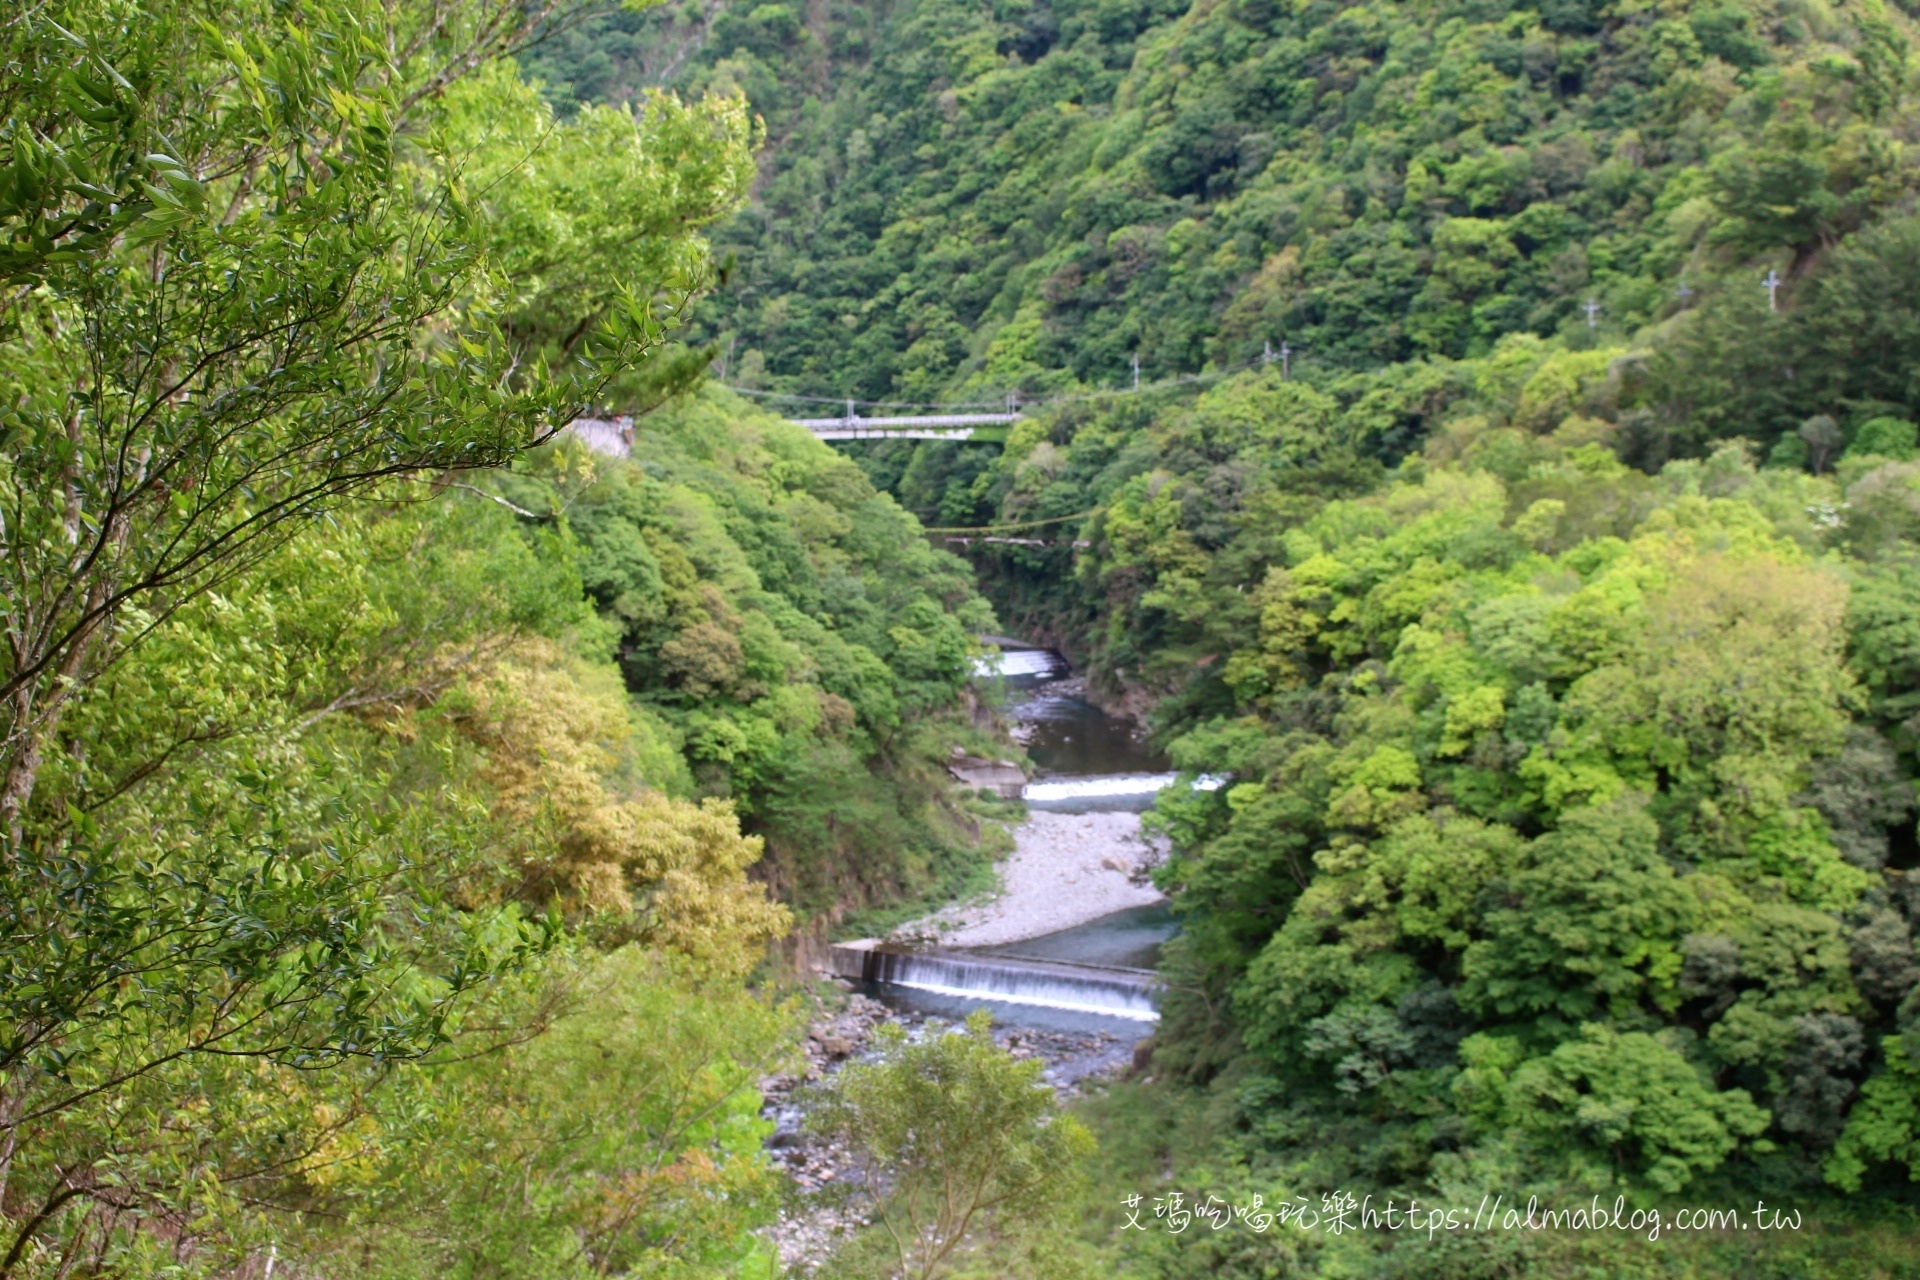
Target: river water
<point>1068,978</point>
<point>1095,773</point>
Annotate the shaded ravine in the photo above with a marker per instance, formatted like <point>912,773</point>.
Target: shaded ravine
<point>1071,941</point>
<point>1063,957</point>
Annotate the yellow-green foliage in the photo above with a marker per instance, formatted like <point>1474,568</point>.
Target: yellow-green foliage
<point>1543,790</point>
<point>668,871</point>
<point>611,1127</point>
<point>794,631</point>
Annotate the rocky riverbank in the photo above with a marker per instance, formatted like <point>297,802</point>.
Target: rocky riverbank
<point>1066,870</point>
<point>830,1203</point>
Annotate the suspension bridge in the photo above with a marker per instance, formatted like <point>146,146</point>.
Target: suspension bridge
<point>614,436</point>
<point>931,422</point>
<point>981,428</point>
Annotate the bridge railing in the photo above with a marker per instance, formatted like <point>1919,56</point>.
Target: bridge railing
<point>614,436</point>
<point>933,426</point>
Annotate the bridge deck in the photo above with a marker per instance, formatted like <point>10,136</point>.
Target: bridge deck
<point>932,426</point>
<point>614,436</point>
<point>924,420</point>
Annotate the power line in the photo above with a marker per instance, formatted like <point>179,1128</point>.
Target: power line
<point>1024,524</point>
<point>1163,385</point>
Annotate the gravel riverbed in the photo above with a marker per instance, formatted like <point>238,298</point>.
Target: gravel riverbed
<point>1065,869</point>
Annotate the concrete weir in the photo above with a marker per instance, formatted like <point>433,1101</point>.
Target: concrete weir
<point>1115,992</point>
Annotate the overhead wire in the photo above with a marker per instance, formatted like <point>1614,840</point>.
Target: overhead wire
<point>1023,524</point>
<point>1037,403</point>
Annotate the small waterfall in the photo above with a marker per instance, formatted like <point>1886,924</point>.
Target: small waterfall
<point>1044,663</point>
<point>1091,762</point>
<point>1132,792</point>
<point>1117,993</point>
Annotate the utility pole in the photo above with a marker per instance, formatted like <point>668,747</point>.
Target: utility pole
<point>1592,309</point>
<point>1683,293</point>
<point>1772,285</point>
<point>1267,355</point>
<point>1136,371</point>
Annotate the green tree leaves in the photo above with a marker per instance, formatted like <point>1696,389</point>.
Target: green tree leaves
<point>1885,1123</point>
<point>1519,787</point>
<point>952,1134</point>
<point>619,1135</point>
<point>302,309</point>
<point>584,217</point>
<point>804,643</point>
<point>1627,1100</point>
<point>256,271</point>
<point>1590,922</point>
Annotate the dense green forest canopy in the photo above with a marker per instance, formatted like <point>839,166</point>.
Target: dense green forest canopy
<point>968,199</point>
<point>797,646</point>
<point>397,802</point>
<point>381,776</point>
<point>1552,608</point>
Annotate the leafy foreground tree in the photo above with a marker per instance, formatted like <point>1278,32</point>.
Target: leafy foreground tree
<point>266,836</point>
<point>624,1139</point>
<point>955,1138</point>
<point>250,274</point>
<point>510,816</point>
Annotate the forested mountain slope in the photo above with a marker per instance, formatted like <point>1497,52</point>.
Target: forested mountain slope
<point>797,647</point>
<point>395,799</point>
<point>1555,617</point>
<point>966,198</point>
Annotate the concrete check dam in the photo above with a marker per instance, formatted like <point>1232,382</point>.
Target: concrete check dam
<point>1072,942</point>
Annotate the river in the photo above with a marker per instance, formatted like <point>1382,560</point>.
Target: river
<point>1064,955</point>
<point>1069,945</point>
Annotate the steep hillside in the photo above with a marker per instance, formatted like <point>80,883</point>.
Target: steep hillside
<point>1552,606</point>
<point>965,199</point>
<point>793,643</point>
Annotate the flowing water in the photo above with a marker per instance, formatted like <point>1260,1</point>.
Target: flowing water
<point>974,974</point>
<point>1127,939</point>
<point>1097,977</point>
<point>1068,737</point>
<point>1080,999</point>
